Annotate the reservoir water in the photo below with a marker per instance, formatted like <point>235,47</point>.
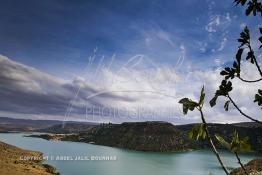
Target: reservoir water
<point>85,158</point>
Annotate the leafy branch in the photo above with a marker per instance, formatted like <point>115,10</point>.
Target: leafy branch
<point>249,81</point>
<point>237,145</point>
<point>224,89</point>
<point>241,112</point>
<point>202,130</point>
<point>235,70</point>
<point>258,98</point>
<point>252,6</point>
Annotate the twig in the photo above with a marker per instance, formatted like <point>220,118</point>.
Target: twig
<point>211,142</point>
<point>240,163</point>
<point>249,81</point>
<point>258,68</point>
<point>255,60</point>
<point>241,112</point>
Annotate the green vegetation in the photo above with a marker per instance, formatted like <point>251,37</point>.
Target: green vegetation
<point>50,169</point>
<point>236,145</point>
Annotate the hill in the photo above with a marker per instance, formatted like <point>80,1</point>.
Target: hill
<point>28,125</point>
<point>142,136</point>
<point>12,164</point>
<point>157,136</point>
<point>68,128</point>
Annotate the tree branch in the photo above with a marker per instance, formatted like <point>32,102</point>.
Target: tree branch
<point>249,81</point>
<point>240,163</point>
<point>241,112</point>
<point>258,67</point>
<point>211,142</point>
<point>255,60</point>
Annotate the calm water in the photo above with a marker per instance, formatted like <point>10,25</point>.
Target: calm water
<point>128,162</point>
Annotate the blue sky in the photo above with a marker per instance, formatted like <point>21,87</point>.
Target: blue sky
<point>59,53</point>
<point>58,36</point>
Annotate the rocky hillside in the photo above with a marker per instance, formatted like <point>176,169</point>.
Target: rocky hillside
<point>12,164</point>
<point>162,136</point>
<point>68,128</point>
<point>50,126</point>
<point>151,136</point>
<point>142,136</point>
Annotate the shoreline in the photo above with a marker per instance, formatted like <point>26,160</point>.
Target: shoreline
<point>12,164</point>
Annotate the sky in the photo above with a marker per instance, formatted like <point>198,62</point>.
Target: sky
<point>115,61</point>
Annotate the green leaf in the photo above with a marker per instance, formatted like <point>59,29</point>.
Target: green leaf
<point>250,57</point>
<point>244,147</point>
<point>197,132</point>
<point>202,97</point>
<point>224,88</point>
<point>258,97</point>
<point>226,105</point>
<point>242,2</point>
<point>191,134</point>
<point>246,30</point>
<point>185,109</point>
<point>213,101</point>
<point>223,142</point>
<point>239,145</point>
<point>230,72</point>
<point>188,104</point>
<point>235,64</point>
<point>239,54</point>
<point>183,100</point>
<point>248,10</point>
<point>223,73</point>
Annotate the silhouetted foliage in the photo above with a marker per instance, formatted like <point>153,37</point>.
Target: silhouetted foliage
<point>236,145</point>
<point>258,97</point>
<point>252,6</point>
<point>235,70</point>
<point>201,131</point>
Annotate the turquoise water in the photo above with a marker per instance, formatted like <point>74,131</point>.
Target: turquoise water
<point>200,162</point>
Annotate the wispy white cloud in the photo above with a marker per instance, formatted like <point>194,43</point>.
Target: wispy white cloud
<point>242,25</point>
<point>213,23</point>
<point>222,44</point>
<point>228,17</point>
<point>203,47</point>
<point>166,37</point>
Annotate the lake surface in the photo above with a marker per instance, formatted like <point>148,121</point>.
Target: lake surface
<point>127,162</point>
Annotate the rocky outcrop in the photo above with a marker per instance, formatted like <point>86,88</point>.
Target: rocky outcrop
<point>254,167</point>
